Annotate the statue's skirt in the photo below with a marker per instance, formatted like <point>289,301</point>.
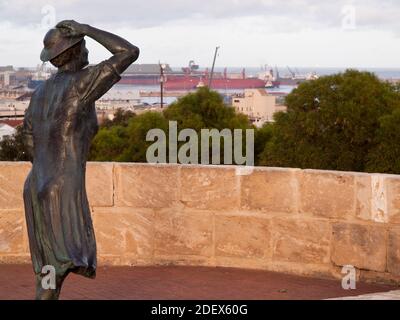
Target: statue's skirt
<point>61,121</point>
<point>59,225</point>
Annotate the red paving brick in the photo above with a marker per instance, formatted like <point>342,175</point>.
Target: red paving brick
<point>171,282</point>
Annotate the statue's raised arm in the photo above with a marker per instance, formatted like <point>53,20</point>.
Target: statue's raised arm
<point>124,53</point>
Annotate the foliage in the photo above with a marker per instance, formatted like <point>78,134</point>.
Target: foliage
<point>13,148</point>
<point>203,109</point>
<point>346,121</point>
<point>137,130</point>
<point>262,136</point>
<point>385,155</point>
<point>121,118</point>
<point>331,123</point>
<point>126,143</point>
<point>108,144</point>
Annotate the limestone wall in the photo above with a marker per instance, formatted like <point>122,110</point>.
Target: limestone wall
<point>305,222</point>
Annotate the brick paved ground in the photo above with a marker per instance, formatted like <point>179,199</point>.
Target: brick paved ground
<point>391,295</point>
<point>16,282</point>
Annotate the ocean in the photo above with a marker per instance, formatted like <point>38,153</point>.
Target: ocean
<point>386,74</point>
<point>383,73</point>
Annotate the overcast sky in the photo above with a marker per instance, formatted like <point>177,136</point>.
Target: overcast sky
<point>309,33</point>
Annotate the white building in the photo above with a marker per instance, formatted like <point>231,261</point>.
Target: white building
<point>258,105</point>
<point>7,76</point>
<point>6,130</point>
<point>115,99</point>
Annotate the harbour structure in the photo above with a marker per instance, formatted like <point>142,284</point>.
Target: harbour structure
<point>7,76</point>
<point>258,105</point>
<point>188,78</point>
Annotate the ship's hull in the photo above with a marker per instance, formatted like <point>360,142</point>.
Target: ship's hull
<point>193,82</point>
<point>290,81</point>
<point>221,84</point>
<point>140,80</point>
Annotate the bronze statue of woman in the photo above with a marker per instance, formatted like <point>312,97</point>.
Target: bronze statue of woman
<point>59,125</point>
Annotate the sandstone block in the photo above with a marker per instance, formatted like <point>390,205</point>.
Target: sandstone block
<point>121,231</point>
<point>12,179</point>
<point>306,241</point>
<point>183,233</point>
<point>146,186</point>
<point>209,187</point>
<point>393,198</point>
<point>99,184</point>
<point>242,236</point>
<point>363,246</point>
<point>11,232</point>
<point>363,197</point>
<point>327,194</point>
<point>272,190</point>
<point>394,251</point>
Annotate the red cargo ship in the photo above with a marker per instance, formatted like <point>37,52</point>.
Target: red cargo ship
<point>189,78</point>
<point>193,82</point>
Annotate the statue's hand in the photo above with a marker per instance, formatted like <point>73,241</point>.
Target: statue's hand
<point>72,28</point>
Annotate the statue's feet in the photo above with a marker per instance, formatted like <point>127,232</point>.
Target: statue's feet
<point>47,294</point>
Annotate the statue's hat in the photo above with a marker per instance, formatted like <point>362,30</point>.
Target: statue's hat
<point>56,42</point>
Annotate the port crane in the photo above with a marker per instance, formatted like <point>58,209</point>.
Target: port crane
<point>291,72</point>
<point>212,68</point>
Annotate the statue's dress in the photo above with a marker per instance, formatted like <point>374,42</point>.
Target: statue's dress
<point>62,121</point>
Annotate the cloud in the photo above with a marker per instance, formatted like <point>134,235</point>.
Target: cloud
<point>250,32</point>
<point>290,15</point>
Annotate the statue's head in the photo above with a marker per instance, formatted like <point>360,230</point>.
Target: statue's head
<point>61,49</point>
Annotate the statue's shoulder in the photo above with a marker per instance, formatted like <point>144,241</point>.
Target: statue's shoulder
<point>85,71</point>
<point>93,70</point>
<point>86,77</point>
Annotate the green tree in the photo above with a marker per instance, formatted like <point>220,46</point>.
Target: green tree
<point>385,155</point>
<point>126,143</point>
<point>262,136</point>
<point>13,148</point>
<point>109,144</point>
<point>121,118</point>
<point>137,130</point>
<point>205,109</point>
<point>112,137</point>
<point>331,123</point>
